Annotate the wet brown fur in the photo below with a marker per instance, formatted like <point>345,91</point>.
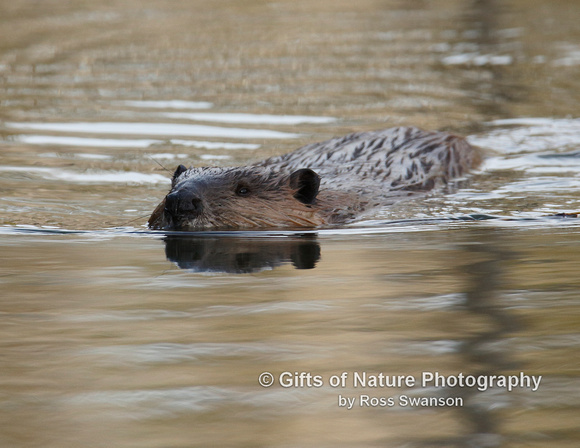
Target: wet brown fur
<point>356,173</point>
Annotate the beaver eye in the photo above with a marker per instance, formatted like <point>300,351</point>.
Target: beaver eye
<point>242,191</point>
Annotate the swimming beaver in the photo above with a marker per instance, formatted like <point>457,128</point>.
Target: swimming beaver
<point>319,184</point>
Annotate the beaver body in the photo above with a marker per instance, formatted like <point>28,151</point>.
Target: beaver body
<point>325,183</point>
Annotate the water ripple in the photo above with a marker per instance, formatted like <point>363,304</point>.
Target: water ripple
<point>170,104</point>
<point>126,143</point>
<point>250,118</point>
<point>156,403</point>
<point>530,135</point>
<point>93,176</point>
<point>174,353</point>
<point>168,129</point>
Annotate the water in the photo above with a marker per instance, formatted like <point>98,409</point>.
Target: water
<point>116,336</point>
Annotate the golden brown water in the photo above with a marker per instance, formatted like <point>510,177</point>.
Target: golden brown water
<point>112,336</point>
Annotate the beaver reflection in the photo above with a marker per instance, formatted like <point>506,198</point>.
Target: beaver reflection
<point>240,255</point>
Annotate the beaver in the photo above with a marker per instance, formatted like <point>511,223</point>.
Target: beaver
<point>321,184</point>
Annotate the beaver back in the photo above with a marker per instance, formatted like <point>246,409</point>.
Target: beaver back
<point>386,161</point>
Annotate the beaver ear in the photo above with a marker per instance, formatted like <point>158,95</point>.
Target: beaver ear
<point>306,183</point>
<point>178,171</point>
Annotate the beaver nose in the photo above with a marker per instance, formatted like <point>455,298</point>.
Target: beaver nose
<point>183,202</point>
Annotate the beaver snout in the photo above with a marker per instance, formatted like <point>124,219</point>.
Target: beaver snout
<point>183,202</point>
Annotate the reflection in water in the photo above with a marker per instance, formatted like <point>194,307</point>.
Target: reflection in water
<point>483,352</point>
<point>240,255</point>
<point>493,85</point>
<point>481,325</point>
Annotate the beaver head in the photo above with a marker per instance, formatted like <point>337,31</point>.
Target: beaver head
<point>238,198</point>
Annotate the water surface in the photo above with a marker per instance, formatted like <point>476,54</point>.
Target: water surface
<point>116,336</point>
